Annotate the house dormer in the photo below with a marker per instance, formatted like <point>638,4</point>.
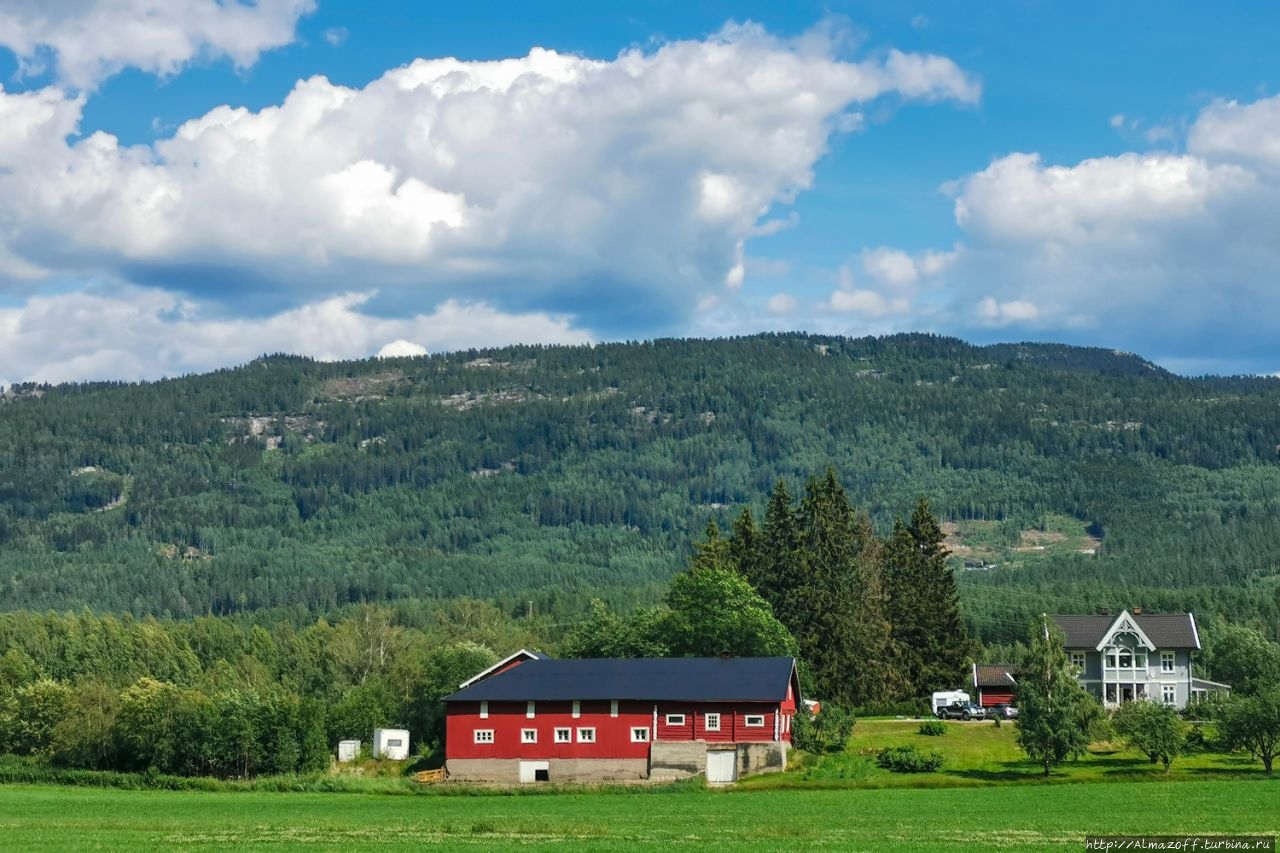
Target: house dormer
<point>1125,633</point>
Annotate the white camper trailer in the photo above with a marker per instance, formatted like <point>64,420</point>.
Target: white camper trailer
<point>348,750</point>
<point>943,698</point>
<point>391,743</point>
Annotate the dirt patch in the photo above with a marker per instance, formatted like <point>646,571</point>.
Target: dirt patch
<point>353,389</point>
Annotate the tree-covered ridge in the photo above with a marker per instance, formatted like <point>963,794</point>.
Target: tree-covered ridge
<point>555,474</point>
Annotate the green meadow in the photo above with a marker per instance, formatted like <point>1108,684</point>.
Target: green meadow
<point>986,796</point>
<point>1030,817</point>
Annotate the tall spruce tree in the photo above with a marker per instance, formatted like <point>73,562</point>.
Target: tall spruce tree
<point>930,638</point>
<point>779,561</point>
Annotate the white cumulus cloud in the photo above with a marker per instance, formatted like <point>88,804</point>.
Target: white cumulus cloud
<point>135,333</point>
<point>545,179</point>
<point>86,41</point>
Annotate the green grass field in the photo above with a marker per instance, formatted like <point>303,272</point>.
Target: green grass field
<point>1032,817</point>
<point>978,753</point>
<point>987,796</point>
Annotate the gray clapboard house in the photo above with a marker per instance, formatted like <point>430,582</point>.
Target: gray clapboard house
<point>1136,656</point>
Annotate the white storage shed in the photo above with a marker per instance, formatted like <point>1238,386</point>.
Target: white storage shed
<point>348,750</point>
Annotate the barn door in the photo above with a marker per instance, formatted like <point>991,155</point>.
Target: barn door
<point>722,765</point>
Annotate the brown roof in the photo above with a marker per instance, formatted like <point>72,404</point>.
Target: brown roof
<point>993,675</point>
<point>1166,631</point>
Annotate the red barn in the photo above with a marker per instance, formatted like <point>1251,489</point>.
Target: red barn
<point>531,718</point>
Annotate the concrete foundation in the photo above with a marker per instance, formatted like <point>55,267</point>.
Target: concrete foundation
<point>507,770</point>
<point>668,761</point>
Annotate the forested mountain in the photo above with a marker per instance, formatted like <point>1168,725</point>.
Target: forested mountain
<point>544,476</point>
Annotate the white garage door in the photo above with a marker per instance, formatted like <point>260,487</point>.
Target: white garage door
<point>722,765</point>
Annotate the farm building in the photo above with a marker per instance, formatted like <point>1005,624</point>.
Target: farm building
<point>993,683</point>
<point>532,718</point>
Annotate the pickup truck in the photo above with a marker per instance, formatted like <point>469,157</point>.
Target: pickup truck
<point>962,711</point>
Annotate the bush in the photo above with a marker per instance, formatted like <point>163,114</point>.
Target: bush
<point>933,728</point>
<point>827,731</point>
<point>908,759</point>
<point>903,708</point>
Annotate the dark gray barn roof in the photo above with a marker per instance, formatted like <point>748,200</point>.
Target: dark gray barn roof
<point>1166,631</point>
<point>646,679</point>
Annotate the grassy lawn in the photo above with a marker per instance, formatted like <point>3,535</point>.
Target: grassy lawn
<point>979,753</point>
<point>1031,817</point>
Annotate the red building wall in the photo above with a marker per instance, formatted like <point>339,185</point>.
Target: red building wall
<point>507,720</point>
<point>988,696</point>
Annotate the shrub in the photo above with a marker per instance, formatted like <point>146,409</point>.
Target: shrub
<point>908,759</point>
<point>933,728</point>
<point>827,731</point>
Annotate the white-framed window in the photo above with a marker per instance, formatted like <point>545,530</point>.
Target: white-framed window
<point>564,735</point>
<point>484,709</point>
<point>1126,659</point>
<point>484,735</point>
<point>528,735</point>
<point>1168,694</point>
<point>530,710</point>
<point>1077,660</point>
<point>1111,660</point>
<point>675,719</point>
<point>1139,660</point>
<point>754,721</point>
<point>639,734</point>
<point>712,722</point>
<point>586,735</point>
<point>577,709</point>
<point>1166,661</point>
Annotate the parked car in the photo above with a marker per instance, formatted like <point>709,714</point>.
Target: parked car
<point>962,711</point>
<point>1003,711</point>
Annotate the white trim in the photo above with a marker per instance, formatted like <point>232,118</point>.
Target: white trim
<point>589,732</point>
<point>671,720</point>
<point>566,732</point>
<point>639,734</point>
<point>1131,626</point>
<point>577,709</point>
<point>528,735</point>
<point>1195,632</point>
<point>706,721</point>
<point>613,707</point>
<point>1172,658</point>
<point>483,736</point>
<point>746,722</point>
<point>484,709</point>
<point>530,710</point>
<point>499,665</point>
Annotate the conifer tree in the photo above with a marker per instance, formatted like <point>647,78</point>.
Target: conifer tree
<point>924,604</point>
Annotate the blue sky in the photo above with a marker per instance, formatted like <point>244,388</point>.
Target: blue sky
<point>189,183</point>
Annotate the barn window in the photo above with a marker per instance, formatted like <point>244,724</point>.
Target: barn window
<point>639,734</point>
<point>528,735</point>
<point>755,721</point>
<point>712,722</point>
<point>484,735</point>
<point>564,735</point>
<point>675,719</point>
<point>586,735</point>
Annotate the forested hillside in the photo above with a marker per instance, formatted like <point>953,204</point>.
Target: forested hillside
<point>540,477</point>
